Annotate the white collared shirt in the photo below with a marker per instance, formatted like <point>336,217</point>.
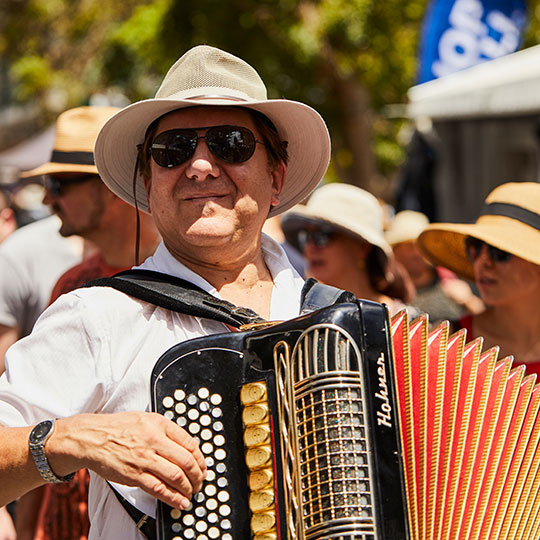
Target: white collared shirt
<point>94,349</point>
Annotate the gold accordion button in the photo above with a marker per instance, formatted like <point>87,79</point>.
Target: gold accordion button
<point>261,501</point>
<point>260,456</point>
<point>255,414</point>
<point>266,536</point>
<point>262,522</point>
<point>252,392</point>
<point>256,435</point>
<point>260,479</point>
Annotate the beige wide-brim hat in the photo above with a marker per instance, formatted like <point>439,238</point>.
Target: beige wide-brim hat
<point>209,76</point>
<point>509,221</point>
<point>342,207</point>
<point>406,227</point>
<point>76,131</point>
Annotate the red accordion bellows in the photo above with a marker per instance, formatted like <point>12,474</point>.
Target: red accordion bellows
<point>470,429</point>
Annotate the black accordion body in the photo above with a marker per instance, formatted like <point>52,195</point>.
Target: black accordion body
<point>298,425</point>
<point>344,424</point>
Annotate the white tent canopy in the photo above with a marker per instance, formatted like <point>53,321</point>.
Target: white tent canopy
<point>509,85</point>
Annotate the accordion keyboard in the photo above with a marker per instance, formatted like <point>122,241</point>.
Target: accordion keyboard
<point>200,414</point>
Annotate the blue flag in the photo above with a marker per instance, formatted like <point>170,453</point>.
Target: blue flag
<point>458,34</point>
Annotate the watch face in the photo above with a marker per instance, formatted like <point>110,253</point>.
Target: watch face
<point>41,431</point>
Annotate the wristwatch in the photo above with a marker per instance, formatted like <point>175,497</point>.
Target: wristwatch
<point>36,442</point>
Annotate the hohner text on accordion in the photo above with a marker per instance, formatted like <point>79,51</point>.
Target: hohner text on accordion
<point>384,415</point>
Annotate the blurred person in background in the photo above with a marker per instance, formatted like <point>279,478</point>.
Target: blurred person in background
<point>439,292</point>
<point>36,255</point>
<point>500,252</point>
<point>89,209</point>
<point>340,233</point>
<point>32,259</point>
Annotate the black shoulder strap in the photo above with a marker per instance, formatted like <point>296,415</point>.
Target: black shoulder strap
<point>143,522</point>
<point>315,296</point>
<point>184,297</point>
<point>177,295</point>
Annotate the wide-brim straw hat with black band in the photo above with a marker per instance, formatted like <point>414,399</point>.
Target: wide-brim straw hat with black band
<point>341,207</point>
<point>509,221</point>
<point>76,131</point>
<point>208,76</point>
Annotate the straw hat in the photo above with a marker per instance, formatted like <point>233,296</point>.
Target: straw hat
<point>509,221</point>
<point>208,76</point>
<point>76,131</point>
<point>406,227</point>
<point>344,207</point>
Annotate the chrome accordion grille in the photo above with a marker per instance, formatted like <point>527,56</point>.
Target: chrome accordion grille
<point>324,440</point>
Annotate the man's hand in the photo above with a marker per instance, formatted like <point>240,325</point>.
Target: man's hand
<point>138,449</point>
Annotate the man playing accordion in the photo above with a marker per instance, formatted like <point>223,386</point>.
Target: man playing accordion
<point>210,157</point>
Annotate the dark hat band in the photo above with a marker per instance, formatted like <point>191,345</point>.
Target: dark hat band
<point>513,211</point>
<point>73,158</point>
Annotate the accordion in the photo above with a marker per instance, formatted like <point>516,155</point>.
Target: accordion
<point>346,424</point>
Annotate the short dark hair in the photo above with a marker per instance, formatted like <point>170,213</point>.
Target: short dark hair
<point>276,149</point>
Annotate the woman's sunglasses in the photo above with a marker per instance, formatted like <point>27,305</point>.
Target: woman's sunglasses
<point>56,186</point>
<point>318,237</point>
<point>233,144</point>
<point>473,247</point>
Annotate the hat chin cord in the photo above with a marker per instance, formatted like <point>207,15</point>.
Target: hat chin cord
<point>137,211</point>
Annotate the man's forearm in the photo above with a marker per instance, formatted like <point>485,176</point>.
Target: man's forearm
<point>18,474</point>
<point>138,449</point>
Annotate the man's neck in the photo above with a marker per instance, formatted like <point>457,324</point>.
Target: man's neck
<point>243,280</point>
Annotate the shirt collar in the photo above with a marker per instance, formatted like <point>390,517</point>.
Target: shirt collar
<point>288,284</point>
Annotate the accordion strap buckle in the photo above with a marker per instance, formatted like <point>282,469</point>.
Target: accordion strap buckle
<point>142,522</point>
<point>257,325</point>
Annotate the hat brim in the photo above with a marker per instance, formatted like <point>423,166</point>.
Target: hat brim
<point>58,168</point>
<point>444,243</point>
<point>300,125</point>
<point>301,216</point>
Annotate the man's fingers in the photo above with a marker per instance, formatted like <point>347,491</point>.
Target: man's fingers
<point>141,449</point>
<point>176,467</point>
<point>181,437</point>
<point>162,491</point>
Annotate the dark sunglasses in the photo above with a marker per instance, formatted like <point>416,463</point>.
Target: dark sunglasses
<point>318,237</point>
<point>56,186</point>
<point>473,247</point>
<point>233,144</point>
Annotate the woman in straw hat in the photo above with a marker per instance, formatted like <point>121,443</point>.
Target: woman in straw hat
<point>340,232</point>
<point>501,254</point>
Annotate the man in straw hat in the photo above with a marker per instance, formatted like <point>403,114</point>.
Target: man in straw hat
<point>87,208</point>
<point>210,157</point>
<point>501,254</point>
<point>35,256</point>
